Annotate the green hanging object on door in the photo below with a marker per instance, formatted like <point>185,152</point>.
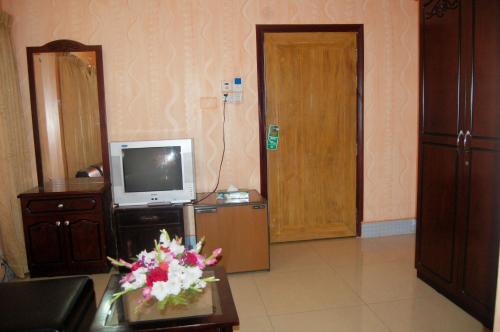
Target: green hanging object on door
<point>273,136</point>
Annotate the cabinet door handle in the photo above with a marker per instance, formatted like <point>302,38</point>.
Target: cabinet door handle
<point>260,206</point>
<point>60,205</point>
<point>58,223</point>
<point>206,210</point>
<point>66,222</point>
<point>460,134</point>
<point>467,137</point>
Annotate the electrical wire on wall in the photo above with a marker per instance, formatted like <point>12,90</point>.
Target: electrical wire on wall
<point>223,151</point>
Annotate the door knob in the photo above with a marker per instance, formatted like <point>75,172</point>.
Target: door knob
<point>58,223</point>
<point>460,134</point>
<point>66,223</point>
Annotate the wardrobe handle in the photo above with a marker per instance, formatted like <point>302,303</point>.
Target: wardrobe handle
<point>467,137</point>
<point>460,134</point>
<point>66,222</point>
<point>58,223</point>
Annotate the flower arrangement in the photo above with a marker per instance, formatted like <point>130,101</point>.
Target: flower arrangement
<point>169,274</point>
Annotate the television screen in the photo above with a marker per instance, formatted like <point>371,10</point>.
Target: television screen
<point>152,169</point>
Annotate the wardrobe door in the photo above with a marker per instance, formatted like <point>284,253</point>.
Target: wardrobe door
<point>440,165</point>
<point>481,228</point>
<point>440,61</point>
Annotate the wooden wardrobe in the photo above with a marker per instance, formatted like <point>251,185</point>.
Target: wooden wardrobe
<point>458,215</point>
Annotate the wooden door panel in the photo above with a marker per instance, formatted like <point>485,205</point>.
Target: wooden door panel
<point>438,210</point>
<point>311,94</point>
<point>482,227</point>
<point>486,80</point>
<point>84,239</point>
<point>441,68</point>
<point>45,243</point>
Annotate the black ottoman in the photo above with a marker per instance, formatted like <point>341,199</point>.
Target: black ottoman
<point>66,304</point>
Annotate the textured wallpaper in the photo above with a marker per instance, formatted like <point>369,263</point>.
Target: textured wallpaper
<point>161,57</point>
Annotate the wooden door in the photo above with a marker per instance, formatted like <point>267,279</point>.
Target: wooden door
<point>311,94</point>
<point>441,137</point>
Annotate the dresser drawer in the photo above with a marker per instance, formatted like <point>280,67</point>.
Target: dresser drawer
<point>149,217</point>
<point>87,204</point>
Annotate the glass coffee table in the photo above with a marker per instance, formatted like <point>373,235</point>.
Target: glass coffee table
<point>112,317</point>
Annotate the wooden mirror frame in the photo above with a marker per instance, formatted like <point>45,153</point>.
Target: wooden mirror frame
<point>65,45</point>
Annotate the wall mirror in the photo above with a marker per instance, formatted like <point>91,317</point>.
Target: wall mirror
<point>68,110</point>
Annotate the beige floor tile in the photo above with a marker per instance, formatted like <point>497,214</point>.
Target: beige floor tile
<point>304,290</point>
<point>294,256</point>
<point>355,319</point>
<point>254,324</point>
<point>100,284</point>
<point>352,252</point>
<point>432,314</point>
<point>246,295</point>
<point>385,281</point>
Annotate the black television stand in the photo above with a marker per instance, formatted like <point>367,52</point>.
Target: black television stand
<point>137,226</point>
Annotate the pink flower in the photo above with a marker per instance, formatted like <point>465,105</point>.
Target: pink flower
<point>192,258</point>
<point>135,266</point>
<point>146,293</point>
<point>213,257</point>
<point>129,277</point>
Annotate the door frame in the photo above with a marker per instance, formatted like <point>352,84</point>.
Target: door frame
<point>261,30</point>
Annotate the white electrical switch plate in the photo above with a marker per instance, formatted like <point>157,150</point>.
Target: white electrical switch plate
<point>226,86</point>
<point>237,97</point>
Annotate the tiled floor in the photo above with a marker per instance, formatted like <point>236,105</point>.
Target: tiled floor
<point>341,285</point>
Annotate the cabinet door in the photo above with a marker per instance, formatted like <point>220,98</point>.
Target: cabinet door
<point>241,232</point>
<point>484,116</point>
<point>84,239</point>
<point>440,65</point>
<point>44,243</point>
<point>437,215</point>
<point>482,232</point>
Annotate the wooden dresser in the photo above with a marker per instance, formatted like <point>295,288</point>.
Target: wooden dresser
<point>65,227</point>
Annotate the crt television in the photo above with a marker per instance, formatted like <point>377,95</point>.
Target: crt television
<point>152,172</point>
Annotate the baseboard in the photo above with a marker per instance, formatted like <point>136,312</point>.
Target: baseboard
<point>388,228</point>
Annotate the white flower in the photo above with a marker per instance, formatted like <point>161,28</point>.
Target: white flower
<point>175,270</point>
<point>200,284</point>
<point>160,290</point>
<point>176,248</point>
<point>173,286</point>
<point>148,258</point>
<point>165,257</point>
<point>191,275</point>
<point>139,279</point>
<point>164,240</point>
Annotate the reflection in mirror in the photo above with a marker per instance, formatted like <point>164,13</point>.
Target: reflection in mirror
<point>68,113</point>
<point>69,120</point>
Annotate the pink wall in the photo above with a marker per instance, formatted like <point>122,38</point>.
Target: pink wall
<point>161,57</point>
